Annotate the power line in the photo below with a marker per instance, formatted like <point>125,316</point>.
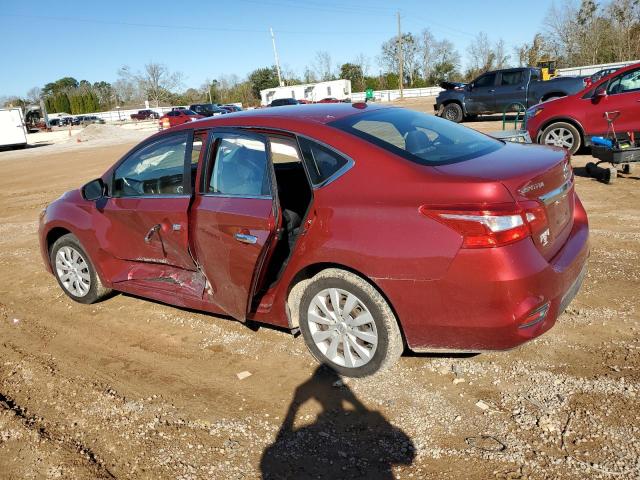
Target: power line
<point>184,27</point>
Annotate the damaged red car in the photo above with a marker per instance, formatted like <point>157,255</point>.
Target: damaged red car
<point>370,229</point>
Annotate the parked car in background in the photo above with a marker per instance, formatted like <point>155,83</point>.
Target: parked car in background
<point>302,101</point>
<point>145,115</point>
<point>329,100</point>
<point>500,90</point>
<point>234,108</point>
<point>65,121</point>
<point>363,226</point>
<point>279,102</point>
<point>54,122</point>
<point>571,121</point>
<point>89,119</point>
<point>598,75</point>
<point>208,109</point>
<point>178,117</point>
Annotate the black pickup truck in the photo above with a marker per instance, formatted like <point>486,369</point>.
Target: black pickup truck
<point>498,91</point>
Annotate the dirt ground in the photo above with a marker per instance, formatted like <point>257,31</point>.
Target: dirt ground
<point>129,388</point>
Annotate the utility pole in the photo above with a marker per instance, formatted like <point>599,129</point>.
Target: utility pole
<point>275,53</point>
<point>400,57</point>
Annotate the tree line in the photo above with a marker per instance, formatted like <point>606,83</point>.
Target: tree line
<point>573,33</point>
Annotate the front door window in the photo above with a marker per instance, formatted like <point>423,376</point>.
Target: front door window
<point>156,169</point>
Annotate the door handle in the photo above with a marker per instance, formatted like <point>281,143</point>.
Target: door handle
<point>245,238</point>
<point>154,229</point>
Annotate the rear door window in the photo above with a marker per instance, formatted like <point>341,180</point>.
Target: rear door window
<point>240,167</point>
<point>626,82</point>
<point>511,78</point>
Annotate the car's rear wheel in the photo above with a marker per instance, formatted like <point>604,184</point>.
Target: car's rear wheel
<point>74,271</point>
<point>348,325</point>
<point>453,112</point>
<point>562,134</point>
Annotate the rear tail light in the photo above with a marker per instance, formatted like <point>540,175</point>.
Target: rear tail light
<point>491,227</point>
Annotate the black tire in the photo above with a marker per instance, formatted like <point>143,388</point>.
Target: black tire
<point>383,325</point>
<point>96,291</point>
<point>453,112</point>
<point>554,132</point>
<point>628,168</point>
<point>611,176</point>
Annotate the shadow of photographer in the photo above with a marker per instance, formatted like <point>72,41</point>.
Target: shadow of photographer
<point>342,442</point>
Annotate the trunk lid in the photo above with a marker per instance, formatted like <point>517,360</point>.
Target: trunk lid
<point>539,178</point>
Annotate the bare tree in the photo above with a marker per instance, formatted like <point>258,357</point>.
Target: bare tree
<point>126,86</point>
<point>34,95</point>
<point>411,56</point>
<point>501,57</point>
<point>322,66</point>
<point>363,62</point>
<point>625,24</point>
<point>481,55</point>
<point>157,81</point>
<point>427,50</point>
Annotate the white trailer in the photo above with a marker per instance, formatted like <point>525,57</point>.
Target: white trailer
<point>13,131</point>
<point>311,92</point>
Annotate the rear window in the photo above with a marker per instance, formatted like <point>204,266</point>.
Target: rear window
<point>421,138</point>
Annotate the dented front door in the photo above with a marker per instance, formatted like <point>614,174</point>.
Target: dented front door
<point>145,217</point>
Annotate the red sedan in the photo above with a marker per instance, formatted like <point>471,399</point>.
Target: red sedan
<point>178,117</point>
<point>329,100</point>
<point>571,121</point>
<point>368,228</point>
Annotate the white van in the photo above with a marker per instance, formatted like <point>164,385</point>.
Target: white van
<point>13,132</point>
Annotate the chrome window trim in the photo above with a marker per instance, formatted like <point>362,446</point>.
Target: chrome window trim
<point>231,195</point>
<point>165,196</point>
<point>551,196</point>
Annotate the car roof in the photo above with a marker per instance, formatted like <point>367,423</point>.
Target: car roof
<point>322,113</point>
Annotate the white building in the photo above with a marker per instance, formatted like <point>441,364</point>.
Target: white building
<point>312,92</point>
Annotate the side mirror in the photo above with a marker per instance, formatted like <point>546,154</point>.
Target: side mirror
<point>601,91</point>
<point>93,190</point>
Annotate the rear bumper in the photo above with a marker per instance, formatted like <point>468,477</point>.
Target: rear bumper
<point>487,297</point>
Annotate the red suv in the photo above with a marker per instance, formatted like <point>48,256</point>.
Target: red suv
<point>571,121</point>
<point>368,228</point>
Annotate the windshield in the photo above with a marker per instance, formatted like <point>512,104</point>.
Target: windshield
<point>421,138</point>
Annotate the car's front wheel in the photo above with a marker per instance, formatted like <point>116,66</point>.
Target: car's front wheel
<point>74,271</point>
<point>562,134</point>
<point>348,325</point>
<point>453,112</point>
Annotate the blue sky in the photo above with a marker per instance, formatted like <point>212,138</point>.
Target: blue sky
<point>44,40</point>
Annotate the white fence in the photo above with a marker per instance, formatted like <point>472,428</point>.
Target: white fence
<point>591,69</point>
<point>389,95</point>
